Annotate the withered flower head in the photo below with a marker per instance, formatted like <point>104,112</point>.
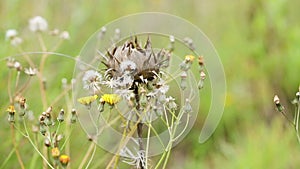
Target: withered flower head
<point>132,63</point>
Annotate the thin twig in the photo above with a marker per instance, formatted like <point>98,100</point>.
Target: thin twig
<point>16,147</point>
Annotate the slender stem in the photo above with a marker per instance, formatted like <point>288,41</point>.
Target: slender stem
<point>288,119</point>
<point>27,58</point>
<point>16,146</point>
<point>122,143</point>
<point>34,146</point>
<point>41,42</point>
<point>139,124</point>
<point>167,157</point>
<point>91,158</point>
<point>40,76</point>
<point>160,160</point>
<point>148,140</point>
<point>156,134</point>
<point>120,147</point>
<point>62,94</point>
<point>57,45</point>
<point>67,138</point>
<point>8,87</point>
<point>7,158</point>
<point>87,154</point>
<point>183,130</point>
<point>42,85</point>
<point>23,87</point>
<point>17,80</point>
<point>297,122</point>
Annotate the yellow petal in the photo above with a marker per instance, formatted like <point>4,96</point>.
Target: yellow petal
<point>87,100</point>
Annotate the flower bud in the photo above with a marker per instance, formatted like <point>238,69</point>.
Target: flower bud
<point>47,142</point>
<point>64,160</point>
<point>43,128</point>
<point>55,152</point>
<point>187,107</point>
<point>73,116</point>
<point>11,113</point>
<point>60,116</point>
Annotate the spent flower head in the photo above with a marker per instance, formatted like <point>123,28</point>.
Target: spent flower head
<point>92,81</point>
<point>38,24</point>
<point>11,34</point>
<point>30,71</point>
<point>64,35</point>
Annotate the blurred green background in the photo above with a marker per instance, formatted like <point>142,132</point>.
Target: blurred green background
<point>257,41</point>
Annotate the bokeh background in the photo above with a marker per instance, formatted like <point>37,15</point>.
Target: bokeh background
<point>257,41</point>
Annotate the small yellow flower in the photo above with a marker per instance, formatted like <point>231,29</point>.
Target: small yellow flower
<point>189,58</point>
<point>87,100</point>
<point>11,109</point>
<point>110,98</point>
<point>55,152</point>
<point>64,159</point>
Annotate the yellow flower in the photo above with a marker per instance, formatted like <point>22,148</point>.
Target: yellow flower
<point>87,100</point>
<point>189,58</point>
<point>11,109</point>
<point>110,98</point>
<point>55,152</point>
<point>64,159</point>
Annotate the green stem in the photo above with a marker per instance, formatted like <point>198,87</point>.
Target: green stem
<point>16,147</point>
<point>87,154</point>
<point>297,122</point>
<point>7,158</point>
<point>31,142</point>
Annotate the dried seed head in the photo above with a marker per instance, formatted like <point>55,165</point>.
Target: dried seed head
<point>38,24</point>
<point>92,80</point>
<point>127,63</point>
<point>30,71</point>
<point>11,34</point>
